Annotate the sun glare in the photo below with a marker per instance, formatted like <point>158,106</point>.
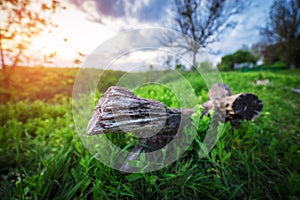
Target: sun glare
<point>49,43</point>
<point>74,34</point>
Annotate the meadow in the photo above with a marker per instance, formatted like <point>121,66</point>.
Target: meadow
<point>42,157</point>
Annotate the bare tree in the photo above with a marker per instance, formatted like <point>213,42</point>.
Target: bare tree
<point>21,21</point>
<point>204,21</point>
<point>282,31</point>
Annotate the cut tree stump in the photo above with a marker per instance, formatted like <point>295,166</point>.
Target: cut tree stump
<point>120,111</point>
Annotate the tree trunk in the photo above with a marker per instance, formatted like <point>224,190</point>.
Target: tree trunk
<point>120,111</point>
<point>7,72</point>
<point>6,96</point>
<point>6,82</point>
<point>194,60</point>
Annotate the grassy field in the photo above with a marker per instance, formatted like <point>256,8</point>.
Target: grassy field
<point>42,157</point>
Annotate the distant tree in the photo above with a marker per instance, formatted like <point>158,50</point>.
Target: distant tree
<point>223,66</point>
<point>240,56</point>
<point>205,66</point>
<point>21,21</point>
<point>204,21</point>
<point>282,31</point>
<point>273,53</point>
<point>258,48</point>
<point>179,67</point>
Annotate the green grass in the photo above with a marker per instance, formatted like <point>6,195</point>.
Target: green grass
<point>42,157</point>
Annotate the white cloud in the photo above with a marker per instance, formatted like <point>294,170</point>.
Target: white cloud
<point>85,35</point>
<point>247,30</point>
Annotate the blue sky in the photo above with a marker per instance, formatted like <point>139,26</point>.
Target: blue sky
<point>89,23</point>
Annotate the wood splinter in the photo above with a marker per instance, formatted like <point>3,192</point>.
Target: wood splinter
<point>120,111</point>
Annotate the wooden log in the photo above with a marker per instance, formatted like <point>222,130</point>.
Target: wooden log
<point>120,111</point>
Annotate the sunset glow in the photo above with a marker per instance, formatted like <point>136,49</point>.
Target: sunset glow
<point>70,37</point>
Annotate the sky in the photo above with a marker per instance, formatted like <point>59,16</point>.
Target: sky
<point>87,24</point>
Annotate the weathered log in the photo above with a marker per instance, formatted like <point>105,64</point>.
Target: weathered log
<point>120,111</point>
<point>232,108</point>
